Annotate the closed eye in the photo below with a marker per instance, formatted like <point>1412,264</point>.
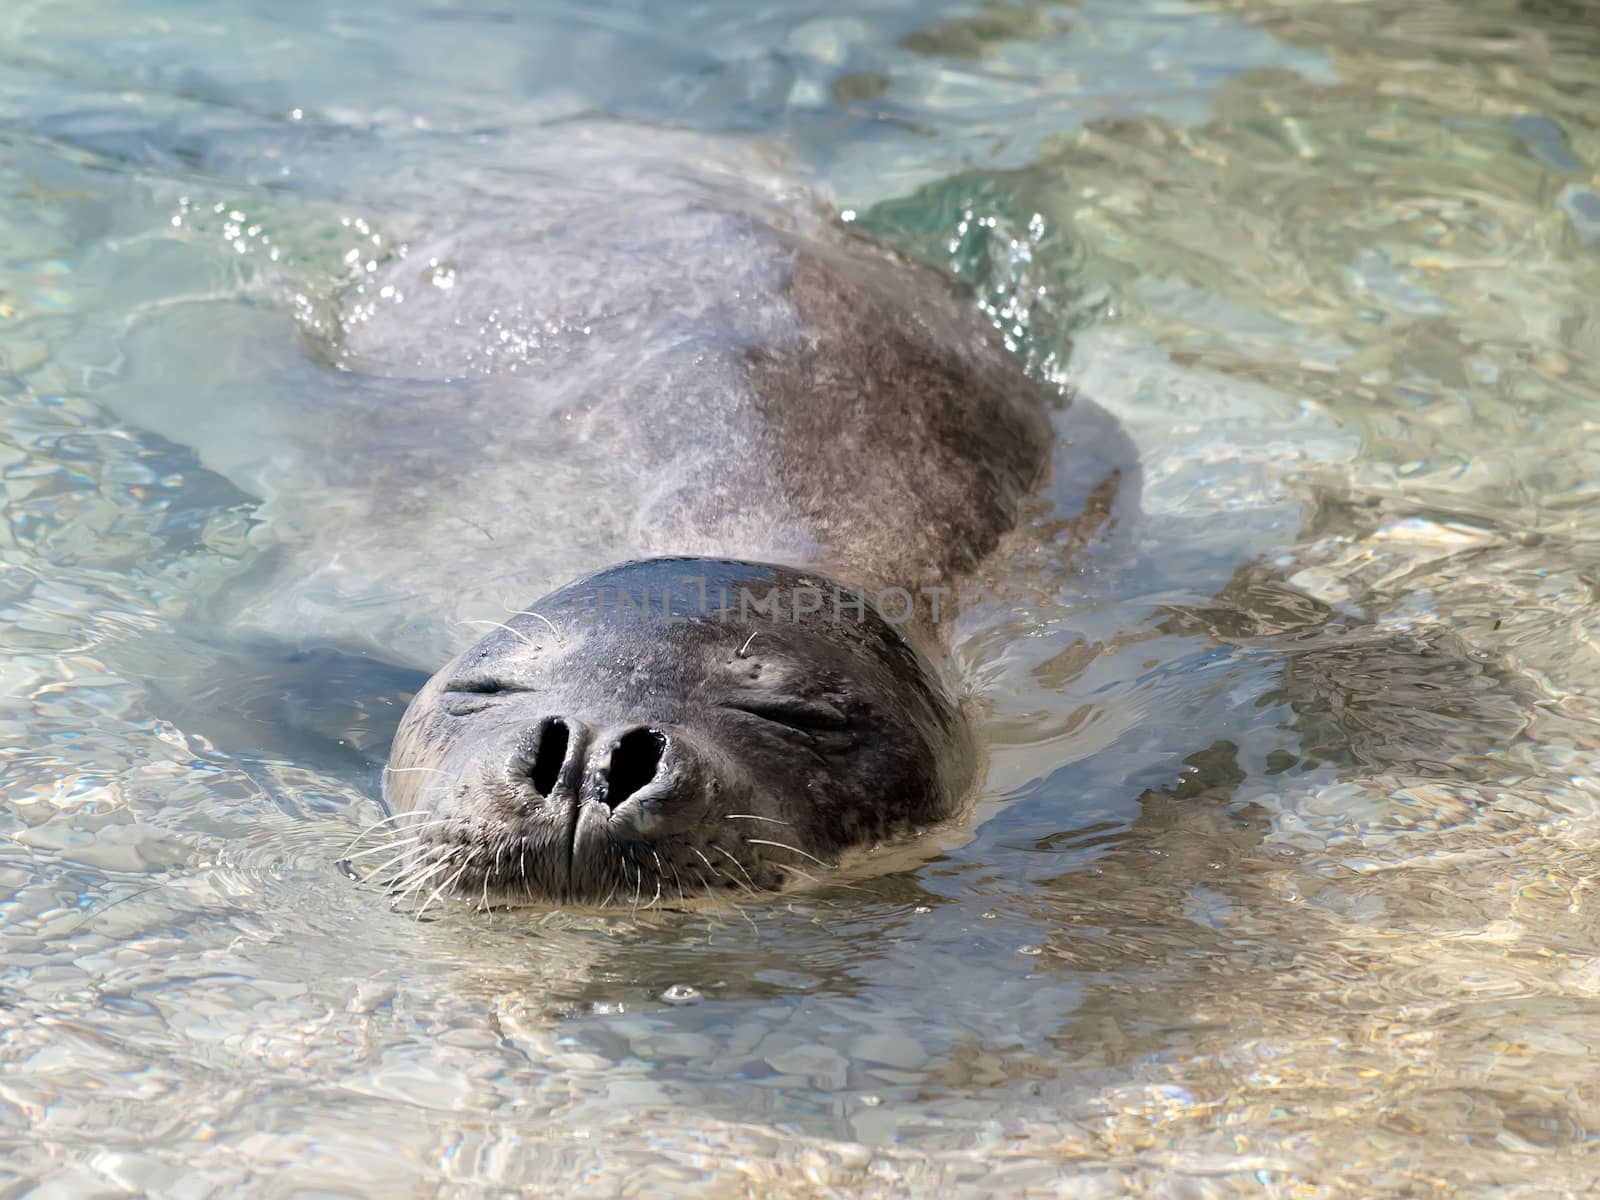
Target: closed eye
<point>805,716</point>
<point>485,687</point>
<point>463,697</point>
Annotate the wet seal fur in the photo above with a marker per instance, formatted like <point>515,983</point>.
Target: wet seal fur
<point>789,408</point>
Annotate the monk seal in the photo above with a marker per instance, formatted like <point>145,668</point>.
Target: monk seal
<point>805,445</point>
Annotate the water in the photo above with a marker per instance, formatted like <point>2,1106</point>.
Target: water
<point>1282,881</point>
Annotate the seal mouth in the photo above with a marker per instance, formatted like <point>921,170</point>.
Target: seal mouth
<point>497,867</point>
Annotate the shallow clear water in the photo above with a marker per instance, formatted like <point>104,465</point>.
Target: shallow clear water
<point>1282,882</point>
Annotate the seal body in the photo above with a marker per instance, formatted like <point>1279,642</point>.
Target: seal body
<point>772,424</point>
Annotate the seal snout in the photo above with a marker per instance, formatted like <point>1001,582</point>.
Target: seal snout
<point>564,757</point>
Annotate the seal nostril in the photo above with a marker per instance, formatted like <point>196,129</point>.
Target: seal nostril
<point>552,753</point>
<point>634,763</point>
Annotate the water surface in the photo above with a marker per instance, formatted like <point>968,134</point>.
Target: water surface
<point>1281,882</point>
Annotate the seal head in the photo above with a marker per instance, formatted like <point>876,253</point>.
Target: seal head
<point>670,728</point>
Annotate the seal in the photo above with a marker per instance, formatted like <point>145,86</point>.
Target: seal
<point>804,446</point>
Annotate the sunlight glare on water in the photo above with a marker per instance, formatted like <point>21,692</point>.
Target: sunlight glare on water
<point>1283,879</point>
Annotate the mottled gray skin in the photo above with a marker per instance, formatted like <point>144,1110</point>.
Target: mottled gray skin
<point>737,381</point>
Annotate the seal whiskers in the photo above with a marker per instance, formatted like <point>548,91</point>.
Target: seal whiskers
<point>736,863</point>
<point>376,825</point>
<point>412,837</point>
<point>796,849</point>
<point>500,625</point>
<point>445,886</point>
<point>525,612</point>
<point>442,863</point>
